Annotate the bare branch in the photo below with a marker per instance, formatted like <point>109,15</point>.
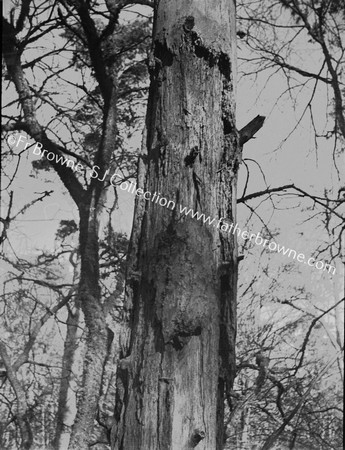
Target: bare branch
<point>247,132</point>
<point>311,326</point>
<point>24,12</point>
<point>6,222</point>
<point>266,191</point>
<point>32,127</point>
<point>95,49</point>
<point>22,406</point>
<point>23,357</point>
<point>279,60</point>
<point>301,192</point>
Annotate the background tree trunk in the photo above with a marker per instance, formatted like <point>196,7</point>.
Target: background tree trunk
<point>181,286</point>
<point>66,412</point>
<point>97,343</point>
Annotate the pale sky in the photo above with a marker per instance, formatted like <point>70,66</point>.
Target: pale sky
<point>297,161</point>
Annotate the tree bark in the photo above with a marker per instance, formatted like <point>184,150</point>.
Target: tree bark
<point>89,291</point>
<point>89,201</point>
<point>96,340</point>
<point>179,360</point>
<point>65,415</point>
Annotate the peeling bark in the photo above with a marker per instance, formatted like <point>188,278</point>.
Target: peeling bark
<point>179,360</point>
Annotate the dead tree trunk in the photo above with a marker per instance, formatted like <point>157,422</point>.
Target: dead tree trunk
<point>181,287</point>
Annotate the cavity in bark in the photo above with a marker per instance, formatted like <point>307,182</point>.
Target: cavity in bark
<point>189,23</point>
<point>191,157</point>
<point>163,53</point>
<point>182,338</point>
<point>209,55</point>
<point>197,436</point>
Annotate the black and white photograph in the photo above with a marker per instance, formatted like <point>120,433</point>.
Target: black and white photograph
<point>172,225</point>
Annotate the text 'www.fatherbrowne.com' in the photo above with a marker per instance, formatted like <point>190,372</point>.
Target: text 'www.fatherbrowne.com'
<point>223,224</point>
<point>227,226</point>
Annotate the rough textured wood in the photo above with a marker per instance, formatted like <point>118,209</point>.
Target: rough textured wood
<point>181,289</point>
